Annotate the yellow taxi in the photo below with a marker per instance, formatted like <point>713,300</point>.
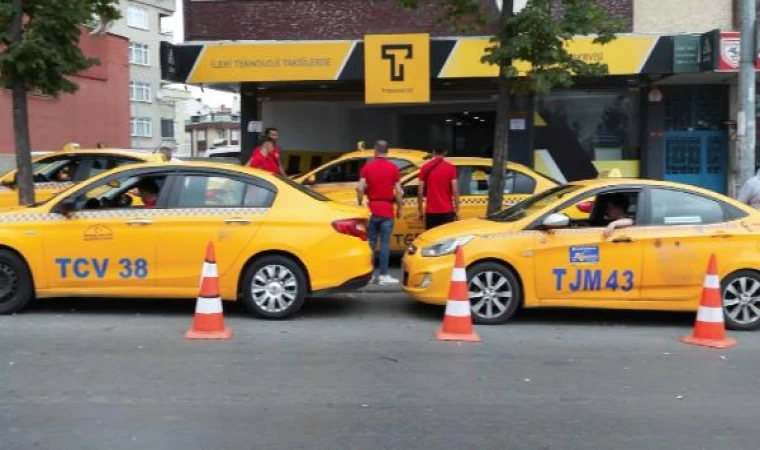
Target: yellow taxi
<point>340,177</point>
<point>276,241</point>
<point>56,171</point>
<point>473,180</point>
<point>533,254</point>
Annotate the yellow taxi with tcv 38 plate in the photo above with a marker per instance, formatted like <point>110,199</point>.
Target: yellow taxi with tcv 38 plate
<point>276,241</point>
<point>534,255</point>
<point>56,171</point>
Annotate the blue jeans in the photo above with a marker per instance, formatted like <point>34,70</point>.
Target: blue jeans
<point>383,227</point>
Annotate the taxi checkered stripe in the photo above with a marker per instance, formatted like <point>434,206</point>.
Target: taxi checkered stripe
<point>117,213</point>
<point>470,201</point>
<point>49,185</point>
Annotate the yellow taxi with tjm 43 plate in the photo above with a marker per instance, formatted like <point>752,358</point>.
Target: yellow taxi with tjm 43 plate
<point>533,254</point>
<point>276,241</point>
<point>56,171</point>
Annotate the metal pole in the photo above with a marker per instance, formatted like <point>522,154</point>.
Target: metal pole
<point>745,122</point>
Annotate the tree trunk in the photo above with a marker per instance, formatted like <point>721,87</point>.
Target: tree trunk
<point>501,132</point>
<point>531,122</point>
<point>24,181</point>
<point>500,148</point>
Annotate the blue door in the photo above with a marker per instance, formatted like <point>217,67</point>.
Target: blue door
<point>697,157</point>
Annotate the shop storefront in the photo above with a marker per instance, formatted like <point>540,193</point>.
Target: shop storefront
<point>425,93</point>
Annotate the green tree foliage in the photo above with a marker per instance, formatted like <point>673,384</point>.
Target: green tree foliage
<point>537,35</point>
<point>39,48</point>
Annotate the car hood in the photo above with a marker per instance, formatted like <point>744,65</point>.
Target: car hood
<point>477,227</point>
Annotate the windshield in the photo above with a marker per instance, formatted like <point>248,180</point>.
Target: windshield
<point>299,187</point>
<point>533,204</point>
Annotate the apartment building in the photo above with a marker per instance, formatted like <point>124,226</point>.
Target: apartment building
<point>153,120</point>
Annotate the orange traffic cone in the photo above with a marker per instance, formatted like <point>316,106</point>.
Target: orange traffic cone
<point>457,321</point>
<point>208,322</point>
<point>709,328</point>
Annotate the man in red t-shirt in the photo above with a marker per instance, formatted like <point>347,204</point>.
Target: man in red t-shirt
<point>380,181</point>
<point>274,164</point>
<point>265,157</point>
<point>439,187</point>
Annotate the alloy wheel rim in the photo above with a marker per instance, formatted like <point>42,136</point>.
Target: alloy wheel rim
<point>741,300</point>
<point>490,294</point>
<point>274,288</point>
<point>8,283</point>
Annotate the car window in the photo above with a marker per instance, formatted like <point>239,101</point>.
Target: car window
<point>670,207</point>
<point>404,166</point>
<point>122,192</point>
<point>475,180</point>
<point>341,172</point>
<point>59,169</point>
<point>201,191</point>
<point>102,164</point>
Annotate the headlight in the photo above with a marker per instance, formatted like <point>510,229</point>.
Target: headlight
<point>446,247</point>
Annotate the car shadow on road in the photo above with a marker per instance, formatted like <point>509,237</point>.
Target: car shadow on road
<point>571,317</point>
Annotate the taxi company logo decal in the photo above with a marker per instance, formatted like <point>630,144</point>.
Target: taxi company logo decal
<point>589,254</point>
<point>389,52</point>
<point>98,233</point>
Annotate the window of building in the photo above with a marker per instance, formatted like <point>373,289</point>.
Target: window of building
<point>201,135</point>
<point>138,54</point>
<point>167,128</point>
<point>139,92</point>
<point>601,125</point>
<point>235,136</point>
<point>138,18</point>
<point>142,127</point>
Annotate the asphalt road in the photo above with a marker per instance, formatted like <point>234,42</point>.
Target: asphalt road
<point>365,372</point>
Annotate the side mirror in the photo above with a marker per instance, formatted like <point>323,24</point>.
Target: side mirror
<point>66,208</point>
<point>555,220</point>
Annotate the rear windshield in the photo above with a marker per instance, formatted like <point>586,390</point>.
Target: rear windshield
<point>299,187</point>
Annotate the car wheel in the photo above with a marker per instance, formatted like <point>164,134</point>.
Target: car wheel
<point>274,287</point>
<point>495,293</point>
<point>741,300</point>
<point>16,289</point>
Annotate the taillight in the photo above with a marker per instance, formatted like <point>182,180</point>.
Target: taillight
<point>352,227</point>
<point>586,206</point>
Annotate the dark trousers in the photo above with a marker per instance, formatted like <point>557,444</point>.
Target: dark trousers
<point>433,220</point>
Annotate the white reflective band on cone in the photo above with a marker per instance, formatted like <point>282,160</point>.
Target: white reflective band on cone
<point>209,306</point>
<point>458,308</point>
<point>458,274</point>
<point>712,282</point>
<point>209,270</point>
<point>709,314</point>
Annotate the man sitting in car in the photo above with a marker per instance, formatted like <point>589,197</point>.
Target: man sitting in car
<point>617,213</point>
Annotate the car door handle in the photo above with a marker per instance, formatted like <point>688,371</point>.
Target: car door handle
<point>721,234</point>
<point>241,220</point>
<point>622,240</point>
<point>139,222</point>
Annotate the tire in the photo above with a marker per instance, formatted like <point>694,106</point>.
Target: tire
<point>478,277</point>
<point>16,289</point>
<point>740,295</point>
<point>274,287</point>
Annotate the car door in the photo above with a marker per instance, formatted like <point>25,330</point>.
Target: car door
<point>105,245</point>
<point>581,265</point>
<point>684,228</point>
<point>209,206</point>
